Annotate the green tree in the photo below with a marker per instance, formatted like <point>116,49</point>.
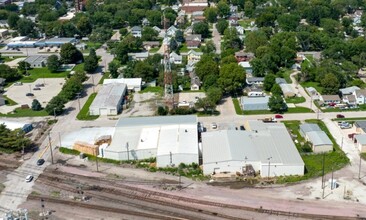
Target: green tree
<point>209,47</point>
<point>9,74</point>
<point>211,14</point>
<point>255,39</point>
<point>276,104</point>
<point>288,22</point>
<point>69,54</point>
<point>259,69</point>
<point>214,94</point>
<point>223,9</point>
<point>179,36</point>
<point>91,62</point>
<point>231,78</point>
<point>145,71</point>
<point>113,68</point>
<point>222,25</point>
<point>149,34</point>
<point>55,105</point>
<point>276,89</point>
<point>100,34</point>
<point>11,141</point>
<point>249,8</point>
<point>84,26</point>
<point>202,28</point>
<point>26,27</point>
<point>53,63</point>
<point>330,84</point>
<point>23,66</point>
<point>13,19</point>
<point>206,104</point>
<point>36,106</point>
<point>162,110</point>
<point>232,40</point>
<point>206,66</point>
<point>269,81</point>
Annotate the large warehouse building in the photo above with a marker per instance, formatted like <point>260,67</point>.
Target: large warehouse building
<point>109,100</point>
<point>267,147</point>
<point>254,103</point>
<point>133,84</point>
<point>171,139</point>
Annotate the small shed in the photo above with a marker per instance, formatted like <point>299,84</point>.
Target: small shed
<point>308,127</point>
<point>287,90</point>
<point>361,142</point>
<point>320,141</point>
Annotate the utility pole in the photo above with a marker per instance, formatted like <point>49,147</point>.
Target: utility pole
<point>323,183</point>
<point>269,166</point>
<point>49,142</point>
<point>359,168</point>
<point>54,112</point>
<point>96,161</point>
<point>78,96</point>
<point>171,159</point>
<point>128,152</point>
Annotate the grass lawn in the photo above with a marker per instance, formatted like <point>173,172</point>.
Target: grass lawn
<point>18,112</point>
<point>105,76</point>
<point>93,45</point>
<point>154,50</point>
<point>79,67</point>
<point>184,49</point>
<point>286,74</point>
<point>363,156</point>
<point>258,112</point>
<point>245,23</point>
<point>37,73</point>
<point>316,85</point>
<point>84,112</point>
<point>156,89</point>
<point>299,110</point>
<point>314,162</point>
<point>295,100</point>
<point>238,110</point>
<point>9,101</point>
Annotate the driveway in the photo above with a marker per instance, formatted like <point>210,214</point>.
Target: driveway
<point>216,37</point>
<point>309,103</point>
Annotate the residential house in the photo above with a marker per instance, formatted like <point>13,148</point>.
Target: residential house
<point>180,20</point>
<point>243,56</point>
<point>193,44</point>
<point>188,30</point>
<point>139,56</point>
<point>287,89</point>
<point>350,100</point>
<point>240,30</point>
<point>246,65</point>
<point>254,80</point>
<point>195,83</point>
<point>198,16</point>
<point>148,45</point>
<point>175,8</point>
<point>360,96</point>
<point>348,90</point>
<point>136,31</point>
<point>145,22</point>
<point>4,24</point>
<point>330,99</point>
<point>194,56</point>
<point>4,33</point>
<point>233,9</point>
<point>190,65</point>
<point>258,93</point>
<point>233,21</point>
<point>175,58</point>
<point>171,31</point>
<point>280,81</point>
<point>190,6</point>
<point>194,37</point>
<point>2,81</point>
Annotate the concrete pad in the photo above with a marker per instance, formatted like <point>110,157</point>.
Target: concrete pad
<point>14,63</point>
<point>190,96</point>
<point>18,93</point>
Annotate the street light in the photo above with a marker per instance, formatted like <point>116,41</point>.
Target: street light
<point>269,166</point>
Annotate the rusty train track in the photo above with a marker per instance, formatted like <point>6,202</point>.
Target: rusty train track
<point>99,207</point>
<point>150,193</point>
<point>137,197</point>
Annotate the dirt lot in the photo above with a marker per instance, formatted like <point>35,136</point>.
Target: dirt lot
<point>144,104</point>
<point>18,93</point>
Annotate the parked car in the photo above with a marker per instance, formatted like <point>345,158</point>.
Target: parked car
<point>40,162</point>
<point>39,85</point>
<point>340,116</point>
<point>242,127</point>
<point>278,116</point>
<point>213,125</point>
<point>351,135</point>
<point>29,178</point>
<point>36,88</point>
<point>18,84</point>
<point>29,94</point>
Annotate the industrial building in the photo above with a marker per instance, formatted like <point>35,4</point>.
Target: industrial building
<point>171,139</point>
<point>133,84</point>
<point>37,61</point>
<point>109,100</point>
<point>266,147</point>
<point>54,42</point>
<point>318,138</point>
<point>254,103</point>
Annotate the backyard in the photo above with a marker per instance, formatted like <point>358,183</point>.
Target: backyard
<point>315,85</point>
<point>19,112</point>
<point>37,73</point>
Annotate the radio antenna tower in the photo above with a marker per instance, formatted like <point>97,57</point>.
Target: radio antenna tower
<point>168,81</point>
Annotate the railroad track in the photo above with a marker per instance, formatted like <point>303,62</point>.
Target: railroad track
<point>156,194</point>
<point>134,198</point>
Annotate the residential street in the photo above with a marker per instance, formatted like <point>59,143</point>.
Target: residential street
<point>216,37</point>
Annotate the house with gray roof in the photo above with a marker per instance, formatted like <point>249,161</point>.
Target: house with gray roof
<point>254,103</point>
<point>136,31</point>
<point>318,138</point>
<point>360,126</point>
<point>254,80</point>
<point>270,151</point>
<point>175,58</point>
<point>37,61</point>
<point>348,90</point>
<point>2,100</point>
<point>360,96</point>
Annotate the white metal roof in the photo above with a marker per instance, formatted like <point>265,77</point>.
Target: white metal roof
<point>274,142</point>
<point>131,82</point>
<point>12,125</point>
<point>361,138</point>
<point>109,96</point>
<point>245,64</point>
<point>319,138</point>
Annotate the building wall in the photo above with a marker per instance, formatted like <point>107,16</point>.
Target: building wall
<point>289,94</point>
<point>322,148</point>
<point>106,111</point>
<point>164,160</point>
<point>281,170</point>
<point>133,154</point>
<point>361,148</point>
<point>228,166</point>
<point>250,107</point>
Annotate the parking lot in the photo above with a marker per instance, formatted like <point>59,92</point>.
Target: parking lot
<point>44,95</point>
<point>190,96</point>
